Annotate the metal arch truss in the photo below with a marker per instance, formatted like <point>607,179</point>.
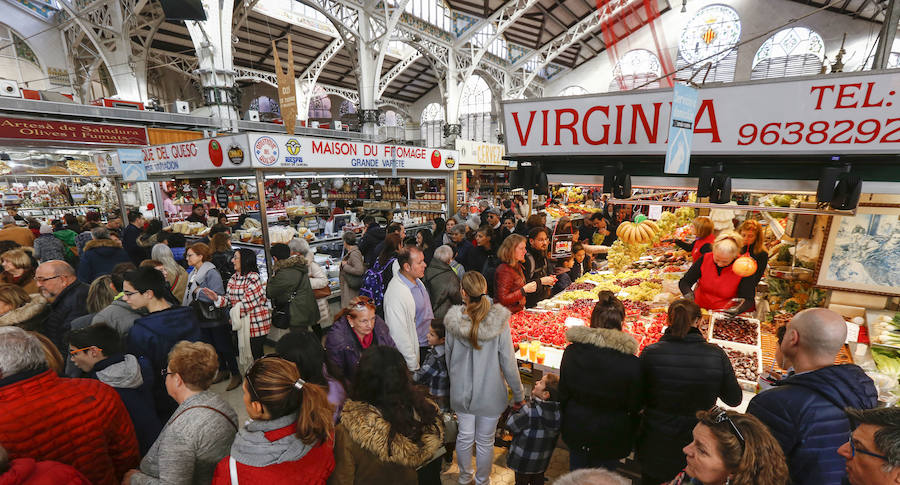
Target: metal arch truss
<point>503,17</point>
<point>548,52</point>
<point>255,75</point>
<point>395,71</point>
<point>311,73</point>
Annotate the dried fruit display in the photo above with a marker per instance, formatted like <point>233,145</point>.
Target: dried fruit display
<point>580,286</point>
<point>746,365</point>
<point>736,329</point>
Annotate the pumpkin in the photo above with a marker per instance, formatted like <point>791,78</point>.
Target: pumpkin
<point>744,266</point>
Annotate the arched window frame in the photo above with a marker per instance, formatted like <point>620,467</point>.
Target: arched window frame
<point>635,69</point>
<point>573,90</point>
<point>718,26</point>
<point>432,126</point>
<point>476,104</point>
<point>794,51</point>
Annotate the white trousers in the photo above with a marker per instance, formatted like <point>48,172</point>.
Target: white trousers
<point>480,431</point>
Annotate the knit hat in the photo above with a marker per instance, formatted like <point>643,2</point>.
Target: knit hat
<point>46,229</point>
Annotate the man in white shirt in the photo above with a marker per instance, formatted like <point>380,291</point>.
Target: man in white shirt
<point>407,307</point>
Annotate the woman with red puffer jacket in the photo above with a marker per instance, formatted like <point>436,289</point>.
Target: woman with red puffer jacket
<point>510,287</point>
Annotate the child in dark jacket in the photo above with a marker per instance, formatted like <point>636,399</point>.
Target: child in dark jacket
<point>535,429</point>
<point>561,270</point>
<point>434,373</point>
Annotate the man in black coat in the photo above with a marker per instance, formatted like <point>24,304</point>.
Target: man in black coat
<point>372,236</point>
<point>132,232</point>
<point>537,266</point>
<point>805,412</point>
<point>57,283</point>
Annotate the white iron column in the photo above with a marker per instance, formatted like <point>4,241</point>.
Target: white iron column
<point>367,76</point>
<point>212,42</point>
<point>452,128</point>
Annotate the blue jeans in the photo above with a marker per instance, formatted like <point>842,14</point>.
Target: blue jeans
<point>579,458</point>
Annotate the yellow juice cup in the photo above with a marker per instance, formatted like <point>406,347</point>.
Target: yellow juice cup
<point>523,349</point>
<point>540,357</point>
<point>533,350</point>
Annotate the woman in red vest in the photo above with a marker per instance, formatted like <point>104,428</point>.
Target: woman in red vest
<point>716,283</point>
<point>705,232</point>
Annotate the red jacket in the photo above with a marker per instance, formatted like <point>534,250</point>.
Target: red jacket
<point>79,422</point>
<point>25,471</point>
<point>313,469</point>
<point>509,287</point>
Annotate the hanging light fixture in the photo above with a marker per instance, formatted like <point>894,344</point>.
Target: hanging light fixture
<point>683,6</point>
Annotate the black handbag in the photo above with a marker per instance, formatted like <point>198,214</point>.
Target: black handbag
<point>281,315</point>
<point>208,312</point>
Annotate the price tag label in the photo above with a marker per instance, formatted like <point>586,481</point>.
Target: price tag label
<point>376,194</point>
<point>655,212</point>
<point>222,196</point>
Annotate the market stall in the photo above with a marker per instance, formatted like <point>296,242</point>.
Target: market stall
<point>819,254</point>
<point>49,168</point>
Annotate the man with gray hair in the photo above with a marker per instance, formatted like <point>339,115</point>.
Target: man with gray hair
<point>100,255</point>
<point>872,454</point>
<point>79,422</point>
<point>58,284</point>
<point>442,282</point>
<point>592,476</point>
<point>11,232</point>
<point>805,412</point>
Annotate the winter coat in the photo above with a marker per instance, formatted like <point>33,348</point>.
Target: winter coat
<point>82,239</point>
<point>536,266</point>
<point>16,234</point>
<point>478,377</point>
<point>120,316</point>
<point>508,289</point>
<point>373,236</point>
<point>26,471</point>
<point>206,276</point>
<point>318,279</point>
<point>191,444</point>
<point>222,261</point>
<point>680,376</point>
<point>29,316</point>
<point>79,422</point>
<point>535,428</point>
<point>353,264</point>
<point>364,453</point>
<point>153,336</point>
<point>472,257</point>
<point>145,241</point>
<point>600,410</point>
<point>342,346</point>
<point>178,281</point>
<point>805,413</point>
<point>130,242</point>
<point>48,248</point>
<point>443,287</point>
<point>26,281</point>
<point>67,236</point>
<point>133,380</point>
<point>290,274</point>
<point>68,305</point>
<point>269,452</point>
<point>99,258</point>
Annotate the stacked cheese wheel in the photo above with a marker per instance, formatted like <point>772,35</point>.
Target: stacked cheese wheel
<point>637,233</point>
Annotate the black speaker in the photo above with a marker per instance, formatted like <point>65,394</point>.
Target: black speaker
<point>720,189</point>
<point>522,177</point>
<point>828,179</point>
<point>622,189</point>
<point>609,179</point>
<point>183,9</point>
<point>541,186</point>
<point>704,181</point>
<point>847,192</point>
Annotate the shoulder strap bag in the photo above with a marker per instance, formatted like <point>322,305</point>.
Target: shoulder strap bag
<point>281,314</point>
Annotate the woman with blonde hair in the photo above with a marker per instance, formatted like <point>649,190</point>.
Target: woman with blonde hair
<point>481,363</point>
<point>19,308</point>
<point>510,287</point>
<point>288,439</point>
<point>705,231</point>
<point>717,285</point>
<point>18,268</point>
<point>176,276</point>
<point>730,448</point>
<point>754,237</point>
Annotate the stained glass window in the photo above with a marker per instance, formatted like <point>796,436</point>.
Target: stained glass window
<point>708,43</point>
<point>573,91</point>
<point>635,69</point>
<point>794,51</point>
<point>432,126</point>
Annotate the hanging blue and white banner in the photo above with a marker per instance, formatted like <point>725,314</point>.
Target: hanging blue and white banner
<point>681,129</point>
<point>132,160</point>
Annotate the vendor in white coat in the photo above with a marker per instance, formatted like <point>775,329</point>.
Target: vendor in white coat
<point>407,307</point>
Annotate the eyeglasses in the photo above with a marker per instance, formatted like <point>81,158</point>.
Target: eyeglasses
<point>719,416</point>
<point>41,280</point>
<point>854,451</point>
<point>166,372</point>
<point>73,352</point>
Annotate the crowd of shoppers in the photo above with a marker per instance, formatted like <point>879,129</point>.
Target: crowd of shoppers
<point>421,345</point>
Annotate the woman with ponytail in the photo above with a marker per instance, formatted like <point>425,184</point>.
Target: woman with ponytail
<point>681,374</point>
<point>481,361</point>
<point>289,436</point>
